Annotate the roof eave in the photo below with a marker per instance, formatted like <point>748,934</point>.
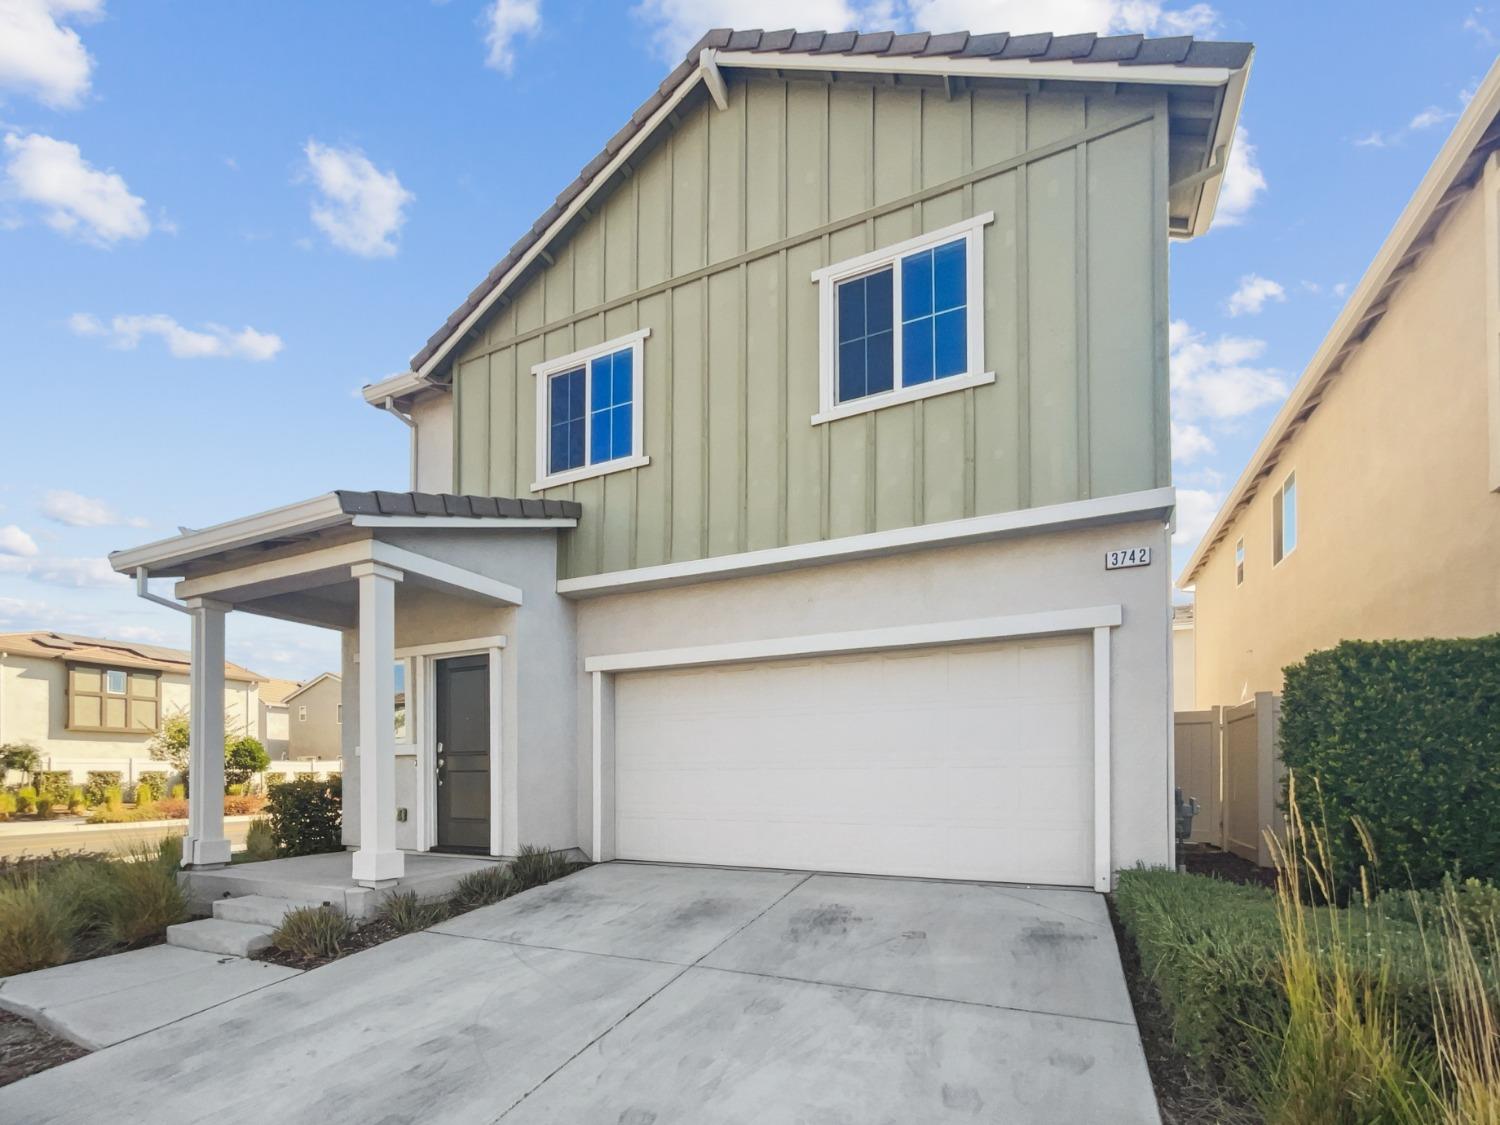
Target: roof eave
<point>1466,136</point>
<point>306,515</point>
<point>1223,141</point>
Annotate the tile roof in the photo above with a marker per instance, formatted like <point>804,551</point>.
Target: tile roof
<point>443,504</point>
<point>118,654</point>
<point>1122,50</point>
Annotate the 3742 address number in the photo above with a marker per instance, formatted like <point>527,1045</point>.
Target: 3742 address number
<point>1127,556</point>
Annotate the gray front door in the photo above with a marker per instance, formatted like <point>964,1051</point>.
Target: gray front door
<point>463,753</point>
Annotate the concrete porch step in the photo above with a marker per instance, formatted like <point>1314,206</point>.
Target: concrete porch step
<point>259,910</point>
<point>215,935</point>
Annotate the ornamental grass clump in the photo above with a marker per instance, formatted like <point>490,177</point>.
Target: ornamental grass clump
<point>314,932</point>
<point>34,928</point>
<point>406,913</point>
<point>481,888</point>
<point>537,864</point>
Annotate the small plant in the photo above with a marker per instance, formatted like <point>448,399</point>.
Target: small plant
<point>234,790</point>
<point>535,865</point>
<point>179,792</point>
<point>314,931</point>
<point>144,898</point>
<point>55,785</point>
<point>260,843</point>
<point>243,805</point>
<point>44,808</point>
<point>98,784</point>
<point>307,816</point>
<point>34,928</point>
<point>7,805</point>
<point>26,800</point>
<point>76,804</point>
<point>481,888</point>
<point>113,800</point>
<point>406,914</point>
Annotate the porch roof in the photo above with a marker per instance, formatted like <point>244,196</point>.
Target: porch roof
<point>342,508</point>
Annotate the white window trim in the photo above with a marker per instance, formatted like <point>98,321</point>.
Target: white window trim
<point>1239,562</point>
<point>125,685</point>
<point>828,278</point>
<point>636,342</point>
<point>1278,541</point>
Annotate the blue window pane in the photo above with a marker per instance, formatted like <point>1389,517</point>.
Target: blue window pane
<point>916,351</point>
<point>602,383</point>
<point>948,276</point>
<point>562,407</point>
<point>880,362</point>
<point>575,445</point>
<point>951,346</point>
<point>565,449</point>
<point>599,437</point>
<point>851,310</point>
<point>878,302</point>
<point>624,381</point>
<point>620,423</point>
<point>916,285</point>
<point>851,370</point>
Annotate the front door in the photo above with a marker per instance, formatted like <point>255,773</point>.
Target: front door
<point>463,754</point>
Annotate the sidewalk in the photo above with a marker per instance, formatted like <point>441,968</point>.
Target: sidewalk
<point>12,828</point>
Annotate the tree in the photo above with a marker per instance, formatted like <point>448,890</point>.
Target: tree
<point>170,744</point>
<point>22,757</point>
<point>242,758</point>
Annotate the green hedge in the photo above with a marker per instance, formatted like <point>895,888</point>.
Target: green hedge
<point>1212,950</point>
<point>1404,735</point>
<point>54,785</point>
<point>100,782</point>
<point>306,816</point>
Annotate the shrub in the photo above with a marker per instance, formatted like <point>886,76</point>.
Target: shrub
<point>1473,903</point>
<point>54,785</point>
<point>1401,736</point>
<point>152,781</point>
<point>113,798</point>
<point>99,783</point>
<point>234,790</point>
<point>243,805</point>
<point>242,758</point>
<point>76,803</point>
<point>313,931</point>
<point>481,888</point>
<point>144,897</point>
<point>7,805</point>
<point>306,816</point>
<point>536,864</point>
<point>34,928</point>
<point>260,843</point>
<point>43,808</point>
<point>179,792</point>
<point>406,914</point>
<point>26,800</point>
<point>169,808</point>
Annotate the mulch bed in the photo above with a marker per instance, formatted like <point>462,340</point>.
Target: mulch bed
<point>1184,1096</point>
<point>25,1049</point>
<point>1200,859</point>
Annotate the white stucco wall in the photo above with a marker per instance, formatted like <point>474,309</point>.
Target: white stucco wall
<point>432,442</point>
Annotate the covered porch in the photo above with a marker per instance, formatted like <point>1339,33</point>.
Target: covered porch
<point>424,590</point>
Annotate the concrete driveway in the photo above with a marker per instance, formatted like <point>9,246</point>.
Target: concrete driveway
<point>635,994</point>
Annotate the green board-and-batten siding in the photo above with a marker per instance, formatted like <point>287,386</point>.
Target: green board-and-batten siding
<point>1074,306</point>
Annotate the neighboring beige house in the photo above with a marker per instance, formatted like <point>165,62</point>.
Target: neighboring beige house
<point>1370,508</point>
<point>275,733</point>
<point>315,718</point>
<point>93,704</point>
<point>1184,670</point>
<point>795,493</point>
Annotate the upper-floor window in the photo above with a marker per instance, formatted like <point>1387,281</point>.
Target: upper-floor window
<point>302,713</point>
<point>903,323</point>
<point>589,411</point>
<point>1239,562</point>
<point>119,700</point>
<point>1284,519</point>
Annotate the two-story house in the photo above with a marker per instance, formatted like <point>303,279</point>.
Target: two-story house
<point>796,491</point>
<point>315,719</point>
<point>1371,508</point>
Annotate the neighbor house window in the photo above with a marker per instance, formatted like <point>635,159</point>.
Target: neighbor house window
<point>338,713</point>
<point>1284,519</point>
<point>1239,562</point>
<point>117,700</point>
<point>302,714</point>
<point>904,322</point>
<point>589,411</point>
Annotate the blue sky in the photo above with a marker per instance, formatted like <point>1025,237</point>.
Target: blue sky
<point>217,221</point>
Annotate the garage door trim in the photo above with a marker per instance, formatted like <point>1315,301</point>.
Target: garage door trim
<point>1098,620</point>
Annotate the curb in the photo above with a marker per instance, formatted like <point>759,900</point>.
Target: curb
<point>9,831</point>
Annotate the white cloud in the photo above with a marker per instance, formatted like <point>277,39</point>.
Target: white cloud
<point>1474,24</point>
<point>73,573</point>
<point>1243,180</point>
<point>1373,139</point>
<point>361,209</point>
<point>1218,380</point>
<point>16,543</point>
<point>505,22</point>
<point>76,198</point>
<point>76,510</point>
<point>1189,443</point>
<point>1196,509</point>
<point>1431,116</point>
<point>1253,293</point>
<point>1061,16</point>
<point>213,341</point>
<point>678,24</point>
<point>41,57</point>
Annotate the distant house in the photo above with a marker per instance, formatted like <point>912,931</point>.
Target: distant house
<point>315,718</point>
<point>274,727</point>
<point>93,704</point>
<point>1184,663</point>
<point>1371,508</point>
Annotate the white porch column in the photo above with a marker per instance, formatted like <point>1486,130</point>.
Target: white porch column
<point>205,844</point>
<point>377,860</point>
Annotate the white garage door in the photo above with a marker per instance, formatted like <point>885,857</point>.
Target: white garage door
<point>966,762</point>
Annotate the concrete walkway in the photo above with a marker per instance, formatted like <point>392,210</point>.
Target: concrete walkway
<point>111,999</point>
<point>648,994</point>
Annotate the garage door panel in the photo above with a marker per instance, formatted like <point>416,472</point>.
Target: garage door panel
<point>964,762</point>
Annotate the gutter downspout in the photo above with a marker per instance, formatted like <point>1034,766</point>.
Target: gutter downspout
<point>141,591</point>
<point>389,406</point>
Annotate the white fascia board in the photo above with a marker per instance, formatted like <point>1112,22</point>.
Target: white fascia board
<point>1466,135</point>
<point>398,386</point>
<point>942,65</point>
<point>461,523</point>
<point>864,640</point>
<point>1223,139</point>
<point>1152,504</point>
<point>304,516</point>
<point>580,201</point>
<point>308,687</point>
